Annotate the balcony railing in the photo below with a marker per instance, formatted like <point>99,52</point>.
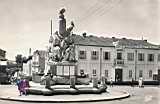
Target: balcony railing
<point>118,61</point>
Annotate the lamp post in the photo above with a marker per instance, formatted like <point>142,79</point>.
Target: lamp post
<point>135,64</point>
<point>30,66</point>
<point>100,63</point>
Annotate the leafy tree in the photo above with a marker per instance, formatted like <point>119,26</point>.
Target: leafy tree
<point>20,60</point>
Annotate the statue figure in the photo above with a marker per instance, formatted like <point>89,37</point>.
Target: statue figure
<point>57,39</point>
<point>62,11</point>
<point>70,54</point>
<point>61,43</point>
<point>71,27</point>
<point>62,23</point>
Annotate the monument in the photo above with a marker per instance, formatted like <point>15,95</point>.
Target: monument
<point>61,51</point>
<point>61,64</point>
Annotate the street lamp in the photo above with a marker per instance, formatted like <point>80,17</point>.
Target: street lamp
<point>100,63</point>
<point>135,64</point>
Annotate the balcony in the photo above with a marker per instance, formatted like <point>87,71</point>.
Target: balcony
<point>119,62</point>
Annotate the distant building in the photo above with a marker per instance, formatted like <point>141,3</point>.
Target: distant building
<point>119,59</point>
<point>2,54</point>
<point>3,66</point>
<point>3,60</point>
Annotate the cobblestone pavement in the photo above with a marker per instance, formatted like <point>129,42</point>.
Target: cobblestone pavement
<point>146,95</point>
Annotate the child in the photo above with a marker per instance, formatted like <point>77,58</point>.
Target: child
<point>19,85</point>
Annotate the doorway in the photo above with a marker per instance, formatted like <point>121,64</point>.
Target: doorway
<point>118,75</point>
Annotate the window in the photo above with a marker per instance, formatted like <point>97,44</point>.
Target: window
<point>150,57</point>
<point>82,54</point>
<point>94,55</point>
<point>119,56</point>
<point>130,73</point>
<point>140,56</point>
<point>106,55</point>
<point>94,71</point>
<point>158,57</point>
<point>155,77</point>
<point>130,56</point>
<point>106,73</point>
<point>140,73</point>
<point>150,73</point>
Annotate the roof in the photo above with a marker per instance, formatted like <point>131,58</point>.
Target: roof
<point>110,42</point>
<point>2,50</point>
<point>2,58</point>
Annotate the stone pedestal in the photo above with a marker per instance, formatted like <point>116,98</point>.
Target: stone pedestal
<point>95,81</point>
<point>36,78</point>
<point>72,81</point>
<point>103,80</point>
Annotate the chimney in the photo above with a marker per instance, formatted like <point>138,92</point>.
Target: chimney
<point>84,34</point>
<point>114,39</point>
<point>145,40</point>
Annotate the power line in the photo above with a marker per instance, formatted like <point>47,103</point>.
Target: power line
<point>112,7</point>
<point>99,10</point>
<point>88,11</point>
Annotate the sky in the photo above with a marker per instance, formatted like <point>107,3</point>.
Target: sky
<point>25,24</point>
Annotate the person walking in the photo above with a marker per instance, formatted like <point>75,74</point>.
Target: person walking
<point>111,82</point>
<point>132,85</point>
<point>140,82</point>
<point>47,81</point>
<point>132,82</point>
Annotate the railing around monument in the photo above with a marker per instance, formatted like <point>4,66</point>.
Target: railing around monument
<point>64,69</point>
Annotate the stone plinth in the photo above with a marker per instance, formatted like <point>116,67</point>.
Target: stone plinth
<point>36,78</point>
<point>95,81</point>
<point>72,81</point>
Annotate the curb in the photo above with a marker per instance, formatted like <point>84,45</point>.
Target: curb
<point>125,95</point>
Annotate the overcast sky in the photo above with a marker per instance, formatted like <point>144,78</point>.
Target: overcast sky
<point>25,24</point>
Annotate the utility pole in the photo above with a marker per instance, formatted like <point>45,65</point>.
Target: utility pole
<point>135,64</point>
<point>100,63</point>
<point>51,26</point>
<point>30,68</point>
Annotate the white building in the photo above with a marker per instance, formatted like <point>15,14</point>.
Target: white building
<point>121,59</point>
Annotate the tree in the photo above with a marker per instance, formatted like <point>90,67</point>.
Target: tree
<point>20,60</point>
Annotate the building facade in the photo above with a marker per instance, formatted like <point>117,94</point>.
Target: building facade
<point>119,59</point>
<point>2,54</point>
<point>3,66</point>
<point>3,60</point>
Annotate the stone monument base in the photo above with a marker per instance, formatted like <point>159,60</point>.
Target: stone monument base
<point>66,90</point>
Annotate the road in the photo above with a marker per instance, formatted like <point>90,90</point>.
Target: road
<point>146,95</point>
